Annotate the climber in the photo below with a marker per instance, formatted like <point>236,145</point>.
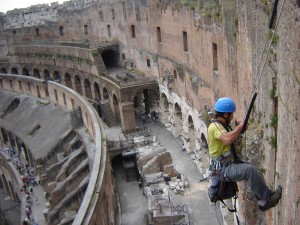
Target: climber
<point>224,166</point>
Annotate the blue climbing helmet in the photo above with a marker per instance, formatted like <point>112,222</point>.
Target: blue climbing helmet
<point>225,105</point>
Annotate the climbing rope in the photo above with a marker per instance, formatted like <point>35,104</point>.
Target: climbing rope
<point>259,74</point>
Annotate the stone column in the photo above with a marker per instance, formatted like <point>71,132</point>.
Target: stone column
<point>127,116</point>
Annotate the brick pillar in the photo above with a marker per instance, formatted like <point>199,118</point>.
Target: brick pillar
<point>127,116</point>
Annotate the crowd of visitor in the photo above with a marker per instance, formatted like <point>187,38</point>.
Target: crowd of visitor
<point>28,182</point>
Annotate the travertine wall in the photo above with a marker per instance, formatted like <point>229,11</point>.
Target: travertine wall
<point>242,37</point>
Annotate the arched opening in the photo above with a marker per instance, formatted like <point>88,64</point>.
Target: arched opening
<point>46,75</point>
<point>145,104</point>
<point>25,72</point>
<point>68,81</point>
<point>105,94</point>
<point>87,88</point>
<point>78,85</point>
<point>110,58</point>
<point>116,109</point>
<point>14,70</point>
<point>3,70</point>
<point>191,139</point>
<point>177,125</point>
<point>36,73</point>
<point>56,77</point>
<point>164,105</point>
<point>97,105</point>
<point>203,142</point>
<point>97,91</point>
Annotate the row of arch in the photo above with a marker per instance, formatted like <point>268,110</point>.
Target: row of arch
<point>67,80</point>
<point>172,113</point>
<point>91,92</point>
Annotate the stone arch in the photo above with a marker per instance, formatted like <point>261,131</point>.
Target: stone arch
<point>3,70</point>
<point>145,99</point>
<point>46,75</point>
<point>140,89</point>
<point>177,122</point>
<point>110,58</point>
<point>203,141</point>
<point>56,76</point>
<point>14,70</point>
<point>78,88</point>
<point>36,73</point>
<point>116,108</point>
<point>68,80</point>
<point>164,106</point>
<point>98,106</point>
<point>105,93</point>
<point>97,91</point>
<point>25,72</point>
<point>87,88</point>
<point>191,135</point>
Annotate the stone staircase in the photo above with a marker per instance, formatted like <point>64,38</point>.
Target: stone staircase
<point>108,115</point>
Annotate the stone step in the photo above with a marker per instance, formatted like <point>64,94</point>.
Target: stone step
<point>109,117</point>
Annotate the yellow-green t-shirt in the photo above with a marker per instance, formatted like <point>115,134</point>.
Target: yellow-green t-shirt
<point>216,147</point>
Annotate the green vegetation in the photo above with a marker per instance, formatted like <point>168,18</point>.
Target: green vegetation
<point>138,72</point>
<point>205,117</point>
<point>273,141</point>
<point>95,53</point>
<point>211,9</point>
<point>189,4</point>
<point>274,120</point>
<point>208,8</point>
<point>262,170</point>
<point>272,93</point>
<point>180,69</point>
<point>39,102</point>
<point>275,38</point>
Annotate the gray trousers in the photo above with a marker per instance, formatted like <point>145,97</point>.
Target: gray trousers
<point>247,172</point>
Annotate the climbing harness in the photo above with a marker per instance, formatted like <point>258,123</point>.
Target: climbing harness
<point>223,189</point>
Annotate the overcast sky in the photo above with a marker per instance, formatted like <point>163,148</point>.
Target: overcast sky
<point>6,5</point>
